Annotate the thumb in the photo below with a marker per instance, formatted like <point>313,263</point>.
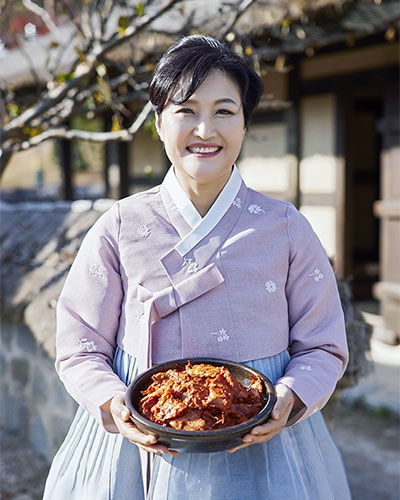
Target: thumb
<point>121,410</point>
<point>282,403</point>
<point>125,414</point>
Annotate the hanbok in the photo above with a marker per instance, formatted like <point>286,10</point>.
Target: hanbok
<point>155,281</point>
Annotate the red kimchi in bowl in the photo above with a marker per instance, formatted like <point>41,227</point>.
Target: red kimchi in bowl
<point>200,397</point>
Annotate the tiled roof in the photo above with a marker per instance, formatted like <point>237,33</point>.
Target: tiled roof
<point>329,22</point>
<point>361,19</point>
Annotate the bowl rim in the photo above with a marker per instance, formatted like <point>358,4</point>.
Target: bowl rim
<point>226,432</point>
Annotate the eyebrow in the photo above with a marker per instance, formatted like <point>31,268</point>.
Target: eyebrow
<point>218,101</point>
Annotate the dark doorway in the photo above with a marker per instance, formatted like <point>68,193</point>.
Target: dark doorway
<point>363,145</point>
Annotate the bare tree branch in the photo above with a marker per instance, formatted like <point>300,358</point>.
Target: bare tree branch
<point>52,98</point>
<point>27,58</point>
<point>64,133</point>
<point>85,23</point>
<point>105,15</point>
<point>55,63</point>
<point>133,30</point>
<point>56,95</point>
<point>139,88</point>
<point>240,11</point>
<point>59,113</point>
<point>44,15</point>
<point>73,18</point>
<point>51,112</point>
<point>3,6</point>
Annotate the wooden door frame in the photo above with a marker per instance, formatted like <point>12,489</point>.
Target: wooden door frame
<point>343,86</point>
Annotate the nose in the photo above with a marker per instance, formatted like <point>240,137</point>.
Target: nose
<point>205,128</point>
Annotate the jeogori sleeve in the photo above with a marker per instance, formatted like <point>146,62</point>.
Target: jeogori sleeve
<point>88,314</point>
<point>317,335</point>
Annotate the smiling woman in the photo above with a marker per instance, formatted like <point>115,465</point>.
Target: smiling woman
<point>203,106</point>
<point>201,266</point>
<point>203,137</point>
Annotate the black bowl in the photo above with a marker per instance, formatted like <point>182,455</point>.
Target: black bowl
<point>199,441</point>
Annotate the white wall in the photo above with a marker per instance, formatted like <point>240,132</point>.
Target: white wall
<point>319,168</point>
<point>265,164</point>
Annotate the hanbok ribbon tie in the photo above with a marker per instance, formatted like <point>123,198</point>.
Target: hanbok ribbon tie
<point>159,304</point>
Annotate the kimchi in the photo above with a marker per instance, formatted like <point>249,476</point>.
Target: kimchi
<point>200,397</point>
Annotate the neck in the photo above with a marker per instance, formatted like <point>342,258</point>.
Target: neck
<point>202,195</point>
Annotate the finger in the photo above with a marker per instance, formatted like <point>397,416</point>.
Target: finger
<point>250,439</point>
<point>272,426</point>
<point>281,406</point>
<point>263,433</point>
<point>233,450</point>
<point>119,408</point>
<point>124,414</point>
<point>174,453</point>
<point>131,432</point>
<point>147,442</point>
<point>159,449</point>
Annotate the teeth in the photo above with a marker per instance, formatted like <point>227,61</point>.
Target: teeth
<point>203,150</point>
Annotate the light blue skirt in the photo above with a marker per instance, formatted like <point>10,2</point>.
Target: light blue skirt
<point>302,462</point>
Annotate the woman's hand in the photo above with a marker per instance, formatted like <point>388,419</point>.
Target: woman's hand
<point>128,429</point>
<point>286,400</point>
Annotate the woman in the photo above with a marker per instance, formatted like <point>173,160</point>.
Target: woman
<point>200,266</point>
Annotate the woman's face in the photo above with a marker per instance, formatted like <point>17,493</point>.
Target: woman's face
<point>203,136</point>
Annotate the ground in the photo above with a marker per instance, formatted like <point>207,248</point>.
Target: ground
<point>22,471</point>
<point>368,439</point>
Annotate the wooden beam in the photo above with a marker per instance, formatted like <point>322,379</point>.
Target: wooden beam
<point>66,170</point>
<point>124,163</point>
<point>106,168</point>
<point>293,124</point>
<point>343,83</point>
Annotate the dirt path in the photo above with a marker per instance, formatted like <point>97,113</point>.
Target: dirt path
<point>370,445</point>
<point>22,470</point>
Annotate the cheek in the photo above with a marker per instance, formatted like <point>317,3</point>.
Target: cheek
<point>174,134</point>
<point>234,128</point>
<point>236,136</point>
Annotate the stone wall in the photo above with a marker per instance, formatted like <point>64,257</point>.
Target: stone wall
<point>34,403</point>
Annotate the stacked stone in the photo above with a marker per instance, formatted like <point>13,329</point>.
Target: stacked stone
<point>35,404</point>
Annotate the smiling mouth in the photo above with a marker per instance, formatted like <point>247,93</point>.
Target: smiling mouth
<point>204,150</point>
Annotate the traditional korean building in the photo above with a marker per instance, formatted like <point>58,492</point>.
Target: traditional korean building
<point>325,137</point>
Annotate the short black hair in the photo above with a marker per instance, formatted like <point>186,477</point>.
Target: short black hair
<point>191,59</point>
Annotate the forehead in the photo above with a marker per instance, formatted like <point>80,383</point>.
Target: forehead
<point>216,86</point>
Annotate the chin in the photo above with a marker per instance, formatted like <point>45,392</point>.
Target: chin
<point>205,177</point>
<point>207,172</point>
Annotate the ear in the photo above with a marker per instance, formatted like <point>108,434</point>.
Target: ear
<point>158,126</point>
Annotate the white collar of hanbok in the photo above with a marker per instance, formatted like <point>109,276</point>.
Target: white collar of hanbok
<point>201,226</point>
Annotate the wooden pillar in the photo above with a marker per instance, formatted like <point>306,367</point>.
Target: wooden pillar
<point>106,171</point>
<point>387,290</point>
<point>293,122</point>
<point>123,149</point>
<point>66,170</point>
<point>116,170</point>
<point>342,190</point>
<point>107,160</point>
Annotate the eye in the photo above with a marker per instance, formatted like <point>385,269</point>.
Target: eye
<point>225,112</point>
<point>185,111</point>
